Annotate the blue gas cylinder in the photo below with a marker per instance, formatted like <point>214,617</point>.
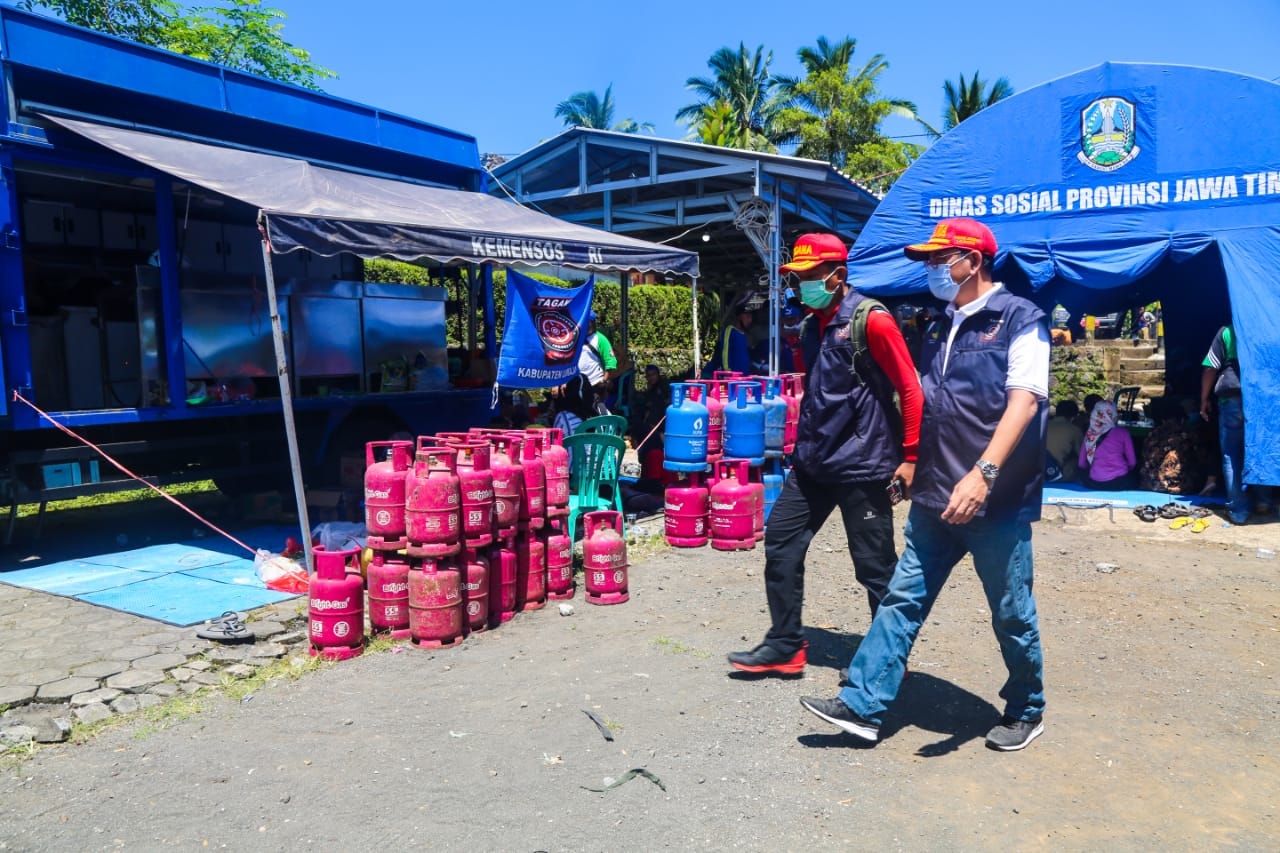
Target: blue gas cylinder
<point>773,478</point>
<point>775,417</point>
<point>685,442</point>
<point>744,423</point>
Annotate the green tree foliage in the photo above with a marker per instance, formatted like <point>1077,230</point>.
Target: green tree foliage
<point>587,109</point>
<point>740,97</point>
<point>969,99</point>
<point>835,113</point>
<point>240,34</point>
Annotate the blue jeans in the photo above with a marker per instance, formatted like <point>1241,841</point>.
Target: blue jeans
<point>1231,437</point>
<point>1002,558</point>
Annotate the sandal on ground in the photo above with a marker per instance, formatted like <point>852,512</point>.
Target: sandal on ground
<point>226,631</point>
<point>1174,510</point>
<point>1179,523</point>
<point>1146,512</point>
<point>229,615</point>
<point>1200,512</point>
<point>1200,525</point>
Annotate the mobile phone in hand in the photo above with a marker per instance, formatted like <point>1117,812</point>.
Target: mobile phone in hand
<point>897,490</point>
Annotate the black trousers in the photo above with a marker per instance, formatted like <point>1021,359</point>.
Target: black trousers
<point>799,513</point>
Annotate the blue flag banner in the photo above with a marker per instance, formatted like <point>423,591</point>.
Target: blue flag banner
<point>543,333</point>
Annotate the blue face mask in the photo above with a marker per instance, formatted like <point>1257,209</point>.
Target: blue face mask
<point>941,284</point>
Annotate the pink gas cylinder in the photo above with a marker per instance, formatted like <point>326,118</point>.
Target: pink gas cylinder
<point>555,459</point>
<point>508,482</point>
<point>502,580</point>
<point>335,604</point>
<point>477,586</point>
<point>604,558</point>
<point>433,499</point>
<point>793,413</point>
<point>733,507</point>
<point>755,479</point>
<point>531,572</point>
<point>476,482</point>
<point>435,604</point>
<point>388,582</point>
<point>384,489</point>
<point>713,395</point>
<point>533,514</point>
<point>686,506</point>
<point>559,560</point>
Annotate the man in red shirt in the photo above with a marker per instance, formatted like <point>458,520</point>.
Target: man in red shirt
<point>851,444</point>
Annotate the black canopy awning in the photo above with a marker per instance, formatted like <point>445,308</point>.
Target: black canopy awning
<point>328,211</point>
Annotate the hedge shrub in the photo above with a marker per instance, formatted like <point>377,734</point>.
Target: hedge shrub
<point>661,323</point>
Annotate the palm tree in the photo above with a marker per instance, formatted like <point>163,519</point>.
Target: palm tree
<point>741,82</point>
<point>587,109</point>
<point>968,99</point>
<point>834,111</point>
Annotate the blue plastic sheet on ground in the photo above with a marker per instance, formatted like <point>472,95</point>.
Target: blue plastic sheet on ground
<point>180,583</point>
<point>1073,494</point>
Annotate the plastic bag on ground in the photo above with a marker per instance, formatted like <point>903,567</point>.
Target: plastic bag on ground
<point>280,573</point>
<point>339,535</point>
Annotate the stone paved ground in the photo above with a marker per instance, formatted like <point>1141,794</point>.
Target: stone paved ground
<point>64,661</point>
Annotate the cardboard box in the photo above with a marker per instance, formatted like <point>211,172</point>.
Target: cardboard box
<point>351,471</point>
<point>61,474</point>
<point>325,505</point>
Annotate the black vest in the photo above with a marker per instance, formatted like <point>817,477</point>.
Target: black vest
<point>848,427</point>
<point>963,406</point>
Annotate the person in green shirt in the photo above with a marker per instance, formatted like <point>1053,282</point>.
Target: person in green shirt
<point>597,363</point>
<point>1221,379</point>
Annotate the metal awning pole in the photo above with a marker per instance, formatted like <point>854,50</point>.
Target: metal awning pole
<point>286,397</point>
<point>775,294</point>
<point>697,344</point>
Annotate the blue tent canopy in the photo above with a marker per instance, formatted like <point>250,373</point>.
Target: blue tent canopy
<point>1112,187</point>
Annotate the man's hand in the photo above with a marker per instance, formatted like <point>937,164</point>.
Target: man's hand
<point>966,498</point>
<point>1205,409</point>
<point>907,474</point>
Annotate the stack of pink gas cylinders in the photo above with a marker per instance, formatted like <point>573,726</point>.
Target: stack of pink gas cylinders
<point>466,530</point>
<point>750,435</point>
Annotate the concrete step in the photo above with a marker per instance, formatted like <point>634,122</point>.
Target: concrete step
<point>1142,377</point>
<point>1149,363</point>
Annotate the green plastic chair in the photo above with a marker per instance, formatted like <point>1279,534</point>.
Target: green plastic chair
<point>604,424</point>
<point>594,459</point>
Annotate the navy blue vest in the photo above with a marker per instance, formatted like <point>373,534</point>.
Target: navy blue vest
<point>963,406</point>
<point>848,428</point>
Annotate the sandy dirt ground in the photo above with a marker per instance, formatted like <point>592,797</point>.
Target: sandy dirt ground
<point>1161,729</point>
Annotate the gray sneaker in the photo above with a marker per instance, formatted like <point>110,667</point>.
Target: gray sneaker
<point>1012,735</point>
<point>837,713</point>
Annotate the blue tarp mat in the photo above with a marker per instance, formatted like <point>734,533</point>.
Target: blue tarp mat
<point>1074,494</point>
<point>1114,187</point>
<point>181,583</point>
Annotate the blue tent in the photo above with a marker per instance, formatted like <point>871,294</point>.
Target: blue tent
<point>1110,188</point>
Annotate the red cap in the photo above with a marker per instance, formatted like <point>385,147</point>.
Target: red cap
<point>968,234</point>
<point>814,249</point>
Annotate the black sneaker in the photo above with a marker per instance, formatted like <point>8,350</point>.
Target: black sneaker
<point>837,713</point>
<point>765,660</point>
<point>1012,735</point>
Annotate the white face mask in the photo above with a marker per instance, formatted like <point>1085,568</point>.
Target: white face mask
<point>941,284</point>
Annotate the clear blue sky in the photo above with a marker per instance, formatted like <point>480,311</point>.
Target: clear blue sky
<point>497,68</point>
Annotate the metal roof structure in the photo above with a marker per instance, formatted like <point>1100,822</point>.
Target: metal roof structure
<point>685,194</point>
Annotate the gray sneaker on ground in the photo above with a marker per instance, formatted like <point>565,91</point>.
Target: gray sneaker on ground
<point>1012,735</point>
<point>837,713</point>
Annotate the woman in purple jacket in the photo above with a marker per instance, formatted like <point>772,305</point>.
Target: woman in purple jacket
<point>1107,458</point>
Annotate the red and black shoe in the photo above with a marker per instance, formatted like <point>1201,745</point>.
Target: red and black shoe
<point>766,660</point>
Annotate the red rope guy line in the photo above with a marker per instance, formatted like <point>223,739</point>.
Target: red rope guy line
<point>161,492</point>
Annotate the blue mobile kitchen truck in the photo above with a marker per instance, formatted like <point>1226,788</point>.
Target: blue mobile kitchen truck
<point>132,303</point>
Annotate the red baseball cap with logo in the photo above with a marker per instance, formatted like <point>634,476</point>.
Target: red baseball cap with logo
<point>814,249</point>
<point>967,234</point>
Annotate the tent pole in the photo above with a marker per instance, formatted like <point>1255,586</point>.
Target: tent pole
<point>624,309</point>
<point>286,399</point>
<point>697,344</point>
<point>775,296</point>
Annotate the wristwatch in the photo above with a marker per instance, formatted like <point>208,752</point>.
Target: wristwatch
<point>988,470</point>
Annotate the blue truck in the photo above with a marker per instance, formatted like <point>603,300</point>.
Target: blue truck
<point>132,303</point>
